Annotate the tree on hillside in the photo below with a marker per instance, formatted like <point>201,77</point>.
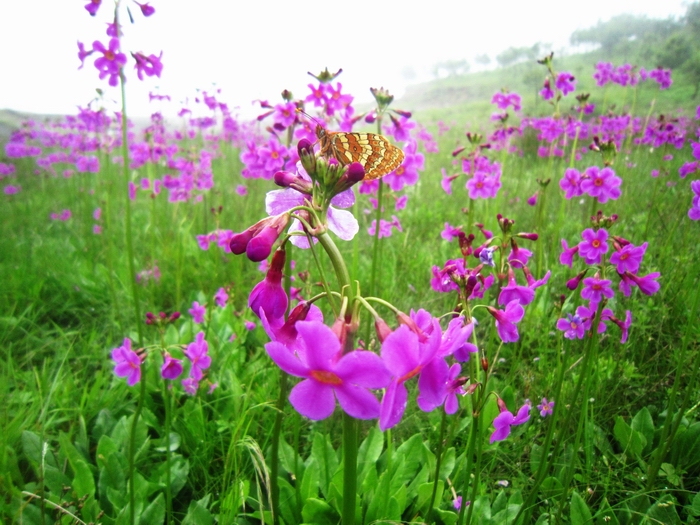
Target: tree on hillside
<point>616,34</point>
<point>450,68</point>
<point>514,55</point>
<point>482,60</point>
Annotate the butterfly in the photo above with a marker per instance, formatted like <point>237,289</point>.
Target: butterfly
<point>376,154</point>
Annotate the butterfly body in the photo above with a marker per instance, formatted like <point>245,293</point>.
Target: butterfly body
<point>376,154</point>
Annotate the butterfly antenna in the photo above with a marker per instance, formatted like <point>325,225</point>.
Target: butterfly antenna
<point>299,110</point>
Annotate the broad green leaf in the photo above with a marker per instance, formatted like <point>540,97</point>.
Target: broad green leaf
<point>535,458</point>
<point>412,452</point>
<point>504,516</point>
<point>664,511</point>
<point>327,460</point>
<point>288,502</point>
<point>310,481</point>
<point>644,424</point>
<point>448,463</point>
<point>446,517</point>
<point>179,469</point>
<point>154,513</point>
<point>291,461</point>
<point>685,449</point>
<point>198,513</point>
<point>631,441</point>
<point>551,488</point>
<point>482,509</point>
<point>425,492</point>
<point>31,446</point>
<point>369,451</point>
<point>378,504</point>
<point>580,513</point>
<point>695,505</point>
<point>83,480</point>
<point>318,512</point>
<point>499,503</point>
<point>173,442</point>
<point>421,478</point>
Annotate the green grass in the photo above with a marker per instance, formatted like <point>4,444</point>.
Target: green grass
<point>65,304</point>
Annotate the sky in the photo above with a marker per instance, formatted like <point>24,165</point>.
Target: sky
<point>255,49</point>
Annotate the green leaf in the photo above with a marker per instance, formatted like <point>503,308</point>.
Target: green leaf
<point>664,511</point>
<point>505,516</point>
<point>446,517</point>
<point>378,503</point>
<point>154,514</point>
<point>327,460</point>
<point>31,446</point>
<point>318,512</point>
<point>173,442</point>
<point>83,480</point>
<point>630,440</point>
<point>448,463</point>
<point>411,452</point>
<point>310,481</point>
<point>425,492</point>
<point>198,513</point>
<point>482,509</point>
<point>580,513</point>
<point>288,503</point>
<point>686,447</point>
<point>644,424</point>
<point>695,505</point>
<point>499,503</point>
<point>369,451</point>
<point>669,472</point>
<point>535,458</point>
<point>179,469</point>
<point>291,461</point>
<point>551,488</point>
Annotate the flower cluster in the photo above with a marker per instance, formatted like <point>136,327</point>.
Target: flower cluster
<point>601,184</point>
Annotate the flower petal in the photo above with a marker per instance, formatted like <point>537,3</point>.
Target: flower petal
<point>342,223</point>
<point>358,402</point>
<point>286,360</point>
<point>400,351</point>
<point>322,346</point>
<point>312,399</point>
<point>364,369</point>
<point>279,201</point>
<point>393,405</point>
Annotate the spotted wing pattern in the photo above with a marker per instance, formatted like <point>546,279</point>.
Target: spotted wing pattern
<point>376,154</point>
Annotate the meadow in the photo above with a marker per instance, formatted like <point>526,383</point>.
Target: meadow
<point>202,323</point>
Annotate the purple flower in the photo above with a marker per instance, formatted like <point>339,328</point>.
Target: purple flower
<point>694,211</point>
<point>340,222</point>
<point>546,408</point>
<point>127,363</point>
<point>506,320</point>
<point>93,6</point>
<point>687,168</point>
<point>483,186</point>
<point>197,312</point>
<point>191,385</point>
<point>329,375</point>
<point>450,232</point>
<point>268,294</point>
<point>221,297</point>
<point>571,183</point>
<point>573,326</point>
<point>196,352</point>
<point>150,65</point>
<point>515,292</point>
<point>546,92</point>
<point>249,325</point>
<point>518,257</point>
<point>405,356</point>
<point>146,10</point>
<point>566,83</point>
<point>111,61</point>
<point>602,184</point>
<point>172,368</point>
<point>594,289</point>
<point>506,419</point>
<point>629,258</point>
<point>647,284</point>
<point>407,173</point>
<point>593,245</point>
<point>567,256</point>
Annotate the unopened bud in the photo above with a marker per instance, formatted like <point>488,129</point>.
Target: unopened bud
<point>383,330</point>
<point>484,364</point>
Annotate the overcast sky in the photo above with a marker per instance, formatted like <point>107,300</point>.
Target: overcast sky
<point>255,49</point>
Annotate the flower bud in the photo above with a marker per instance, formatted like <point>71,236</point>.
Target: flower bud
<point>502,405</point>
<point>484,364</point>
<point>306,155</point>
<point>260,246</point>
<point>239,241</point>
<point>528,236</point>
<point>383,330</point>
<point>572,284</point>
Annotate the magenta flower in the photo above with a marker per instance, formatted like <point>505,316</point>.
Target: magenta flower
<point>172,368</point>
<point>221,298</point>
<point>629,258</point>
<point>340,222</point>
<point>329,375</point>
<point>450,232</point>
<point>647,284</point>
<point>11,189</point>
<point>127,363</point>
<point>506,320</point>
<point>483,186</point>
<point>150,65</point>
<point>146,10</point>
<point>93,6</point>
<point>593,245</point>
<point>687,168</point>
<point>405,355</point>
<point>407,173</point>
<point>518,257</point>
<point>191,385</point>
<point>567,256</point>
<point>196,352</point>
<point>594,289</point>
<point>506,419</point>
<point>249,325</point>
<point>566,83</point>
<point>111,61</point>
<point>546,92</point>
<point>573,326</point>
<point>268,294</point>
<point>571,183</point>
<point>601,184</point>
<point>197,312</point>
<point>546,408</point>
<point>447,181</point>
<point>694,211</point>
<point>515,292</point>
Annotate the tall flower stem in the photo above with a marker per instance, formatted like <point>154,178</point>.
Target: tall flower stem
<point>438,461</point>
<point>168,419</point>
<point>277,428</point>
<point>132,446</point>
<point>349,423</point>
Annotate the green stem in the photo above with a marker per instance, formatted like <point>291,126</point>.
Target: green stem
<point>349,469</point>
<point>168,491</point>
<point>438,460</point>
<point>373,285</point>
<point>127,225</point>
<point>132,446</point>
